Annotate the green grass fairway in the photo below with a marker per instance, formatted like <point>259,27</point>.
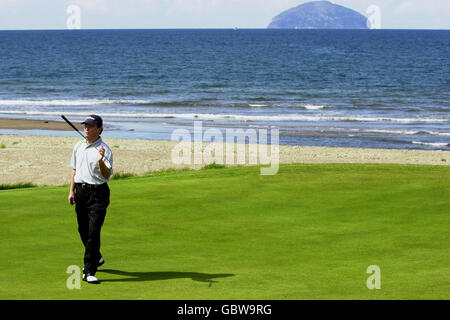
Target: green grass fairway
<point>309,232</point>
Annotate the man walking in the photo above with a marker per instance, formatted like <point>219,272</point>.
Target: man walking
<point>92,167</point>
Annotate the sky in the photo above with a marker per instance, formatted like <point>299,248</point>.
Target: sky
<point>157,14</point>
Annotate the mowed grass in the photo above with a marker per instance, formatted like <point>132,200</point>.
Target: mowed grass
<point>309,232</point>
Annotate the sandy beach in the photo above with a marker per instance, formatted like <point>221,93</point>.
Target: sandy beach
<point>20,124</point>
<point>44,160</point>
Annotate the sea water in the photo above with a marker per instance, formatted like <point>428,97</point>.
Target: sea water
<point>339,88</point>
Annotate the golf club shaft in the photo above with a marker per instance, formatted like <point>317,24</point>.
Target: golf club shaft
<point>74,128</point>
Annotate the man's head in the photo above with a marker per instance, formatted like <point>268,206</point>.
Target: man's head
<point>93,127</point>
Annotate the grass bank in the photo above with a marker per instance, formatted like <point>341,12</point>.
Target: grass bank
<point>309,232</point>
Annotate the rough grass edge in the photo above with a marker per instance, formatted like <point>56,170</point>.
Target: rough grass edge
<point>21,185</point>
<point>122,175</point>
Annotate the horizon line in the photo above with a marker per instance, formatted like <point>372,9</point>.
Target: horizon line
<point>220,28</point>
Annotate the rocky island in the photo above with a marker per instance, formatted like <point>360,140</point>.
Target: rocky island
<point>319,15</point>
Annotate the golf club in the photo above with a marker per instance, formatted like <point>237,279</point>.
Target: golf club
<point>74,128</point>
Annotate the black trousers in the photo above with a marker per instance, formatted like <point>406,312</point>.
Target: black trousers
<point>90,205</point>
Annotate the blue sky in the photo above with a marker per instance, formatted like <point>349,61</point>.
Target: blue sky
<point>107,14</point>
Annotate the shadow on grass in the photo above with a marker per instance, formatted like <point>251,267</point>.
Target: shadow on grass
<point>152,276</point>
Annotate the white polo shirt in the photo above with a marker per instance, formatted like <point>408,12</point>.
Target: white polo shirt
<point>85,161</point>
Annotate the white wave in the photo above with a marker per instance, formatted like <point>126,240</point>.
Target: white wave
<point>314,107</point>
<point>308,106</point>
<point>399,132</point>
<point>433,144</point>
<point>439,133</point>
<point>257,105</point>
<point>283,117</point>
<point>303,106</point>
<point>401,120</point>
<point>406,132</point>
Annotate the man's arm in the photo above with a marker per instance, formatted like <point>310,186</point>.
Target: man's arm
<point>72,187</point>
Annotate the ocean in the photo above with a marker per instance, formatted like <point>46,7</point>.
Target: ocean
<point>337,88</point>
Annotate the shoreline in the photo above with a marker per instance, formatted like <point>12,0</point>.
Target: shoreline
<point>32,124</point>
<point>137,130</point>
<point>44,160</point>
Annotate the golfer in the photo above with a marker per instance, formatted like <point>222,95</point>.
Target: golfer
<point>92,167</point>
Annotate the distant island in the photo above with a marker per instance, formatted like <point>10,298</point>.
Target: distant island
<point>319,15</point>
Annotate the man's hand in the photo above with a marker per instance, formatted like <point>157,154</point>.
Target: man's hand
<point>71,198</point>
<point>104,170</point>
<point>72,187</point>
<point>102,153</point>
